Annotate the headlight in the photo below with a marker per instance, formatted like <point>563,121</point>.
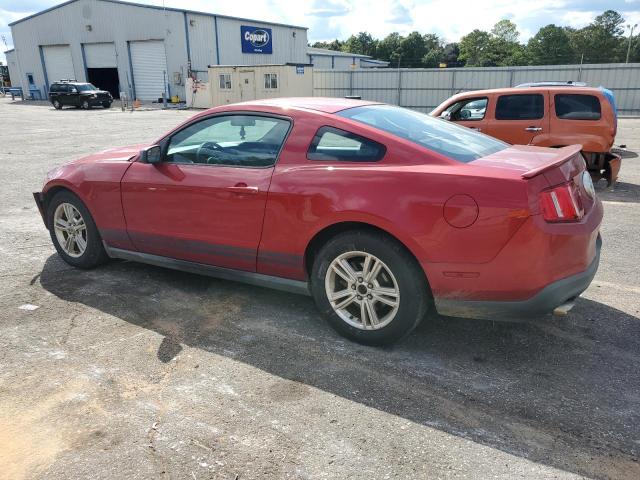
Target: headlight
<point>587,183</point>
<point>93,95</point>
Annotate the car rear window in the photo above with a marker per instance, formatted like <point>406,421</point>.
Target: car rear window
<point>577,107</point>
<point>333,144</point>
<point>520,107</point>
<point>453,141</point>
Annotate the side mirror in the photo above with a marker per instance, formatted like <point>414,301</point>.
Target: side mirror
<point>152,154</point>
<point>445,115</point>
<point>74,90</point>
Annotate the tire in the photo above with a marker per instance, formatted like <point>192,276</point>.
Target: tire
<point>93,253</point>
<point>57,105</point>
<point>85,105</point>
<point>399,271</point>
<point>106,105</point>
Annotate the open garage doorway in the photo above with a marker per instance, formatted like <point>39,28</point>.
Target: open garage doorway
<point>105,79</point>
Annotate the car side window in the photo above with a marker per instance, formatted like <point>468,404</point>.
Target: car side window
<point>54,88</point>
<point>231,140</point>
<point>577,107</point>
<point>333,144</point>
<point>469,109</point>
<point>520,107</point>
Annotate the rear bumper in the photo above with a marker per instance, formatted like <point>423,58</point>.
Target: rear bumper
<point>543,302</point>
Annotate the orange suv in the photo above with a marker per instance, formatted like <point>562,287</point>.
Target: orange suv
<point>551,114</point>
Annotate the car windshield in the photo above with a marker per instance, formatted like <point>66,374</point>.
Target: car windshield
<point>453,141</point>
<point>86,87</point>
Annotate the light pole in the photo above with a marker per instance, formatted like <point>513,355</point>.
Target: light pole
<point>631,27</point>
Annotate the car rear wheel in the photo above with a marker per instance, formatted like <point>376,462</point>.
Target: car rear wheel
<point>73,231</point>
<point>85,105</point>
<point>369,288</point>
<point>57,105</point>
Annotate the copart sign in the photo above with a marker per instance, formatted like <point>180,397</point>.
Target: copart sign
<point>256,39</point>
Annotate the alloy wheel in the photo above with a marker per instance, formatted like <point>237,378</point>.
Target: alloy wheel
<point>70,229</point>
<point>362,290</point>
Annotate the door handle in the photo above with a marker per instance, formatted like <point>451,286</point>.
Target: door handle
<point>533,129</point>
<point>477,129</point>
<point>242,188</point>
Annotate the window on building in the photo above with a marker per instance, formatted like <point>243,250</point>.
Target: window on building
<point>30,79</point>
<point>270,80</point>
<point>332,144</point>
<point>225,81</point>
<point>230,140</point>
<point>520,107</point>
<point>577,107</point>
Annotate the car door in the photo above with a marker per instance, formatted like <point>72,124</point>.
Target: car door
<point>520,119</point>
<point>469,112</point>
<point>205,201</point>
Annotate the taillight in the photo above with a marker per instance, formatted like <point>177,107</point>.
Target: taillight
<point>561,204</point>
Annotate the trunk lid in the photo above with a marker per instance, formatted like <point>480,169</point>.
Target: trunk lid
<point>544,168</point>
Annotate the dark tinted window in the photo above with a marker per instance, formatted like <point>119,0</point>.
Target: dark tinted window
<point>54,88</point>
<point>520,107</point>
<point>232,140</point>
<point>451,140</point>
<point>577,107</point>
<point>333,144</point>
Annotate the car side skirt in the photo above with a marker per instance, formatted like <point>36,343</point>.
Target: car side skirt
<point>542,303</point>
<point>252,278</point>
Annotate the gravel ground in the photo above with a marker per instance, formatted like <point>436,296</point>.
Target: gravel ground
<point>131,371</point>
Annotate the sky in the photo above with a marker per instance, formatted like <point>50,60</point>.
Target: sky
<point>330,19</point>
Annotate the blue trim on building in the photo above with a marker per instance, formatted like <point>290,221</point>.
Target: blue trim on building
<point>215,26</point>
<point>84,63</point>
<point>186,36</point>
<point>44,71</point>
<point>333,62</point>
<point>133,82</point>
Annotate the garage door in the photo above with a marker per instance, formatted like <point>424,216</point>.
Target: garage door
<point>58,63</point>
<point>149,63</point>
<point>100,55</point>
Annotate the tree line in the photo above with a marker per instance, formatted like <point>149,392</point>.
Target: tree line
<point>602,41</point>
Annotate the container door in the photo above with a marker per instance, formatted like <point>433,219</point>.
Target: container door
<point>247,85</point>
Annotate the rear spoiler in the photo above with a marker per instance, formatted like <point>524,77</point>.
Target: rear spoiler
<point>564,154</point>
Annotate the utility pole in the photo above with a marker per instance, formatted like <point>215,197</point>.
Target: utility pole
<point>630,39</point>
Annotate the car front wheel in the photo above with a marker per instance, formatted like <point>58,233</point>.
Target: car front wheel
<point>369,288</point>
<point>85,105</point>
<point>106,105</point>
<point>57,105</point>
<point>73,231</point>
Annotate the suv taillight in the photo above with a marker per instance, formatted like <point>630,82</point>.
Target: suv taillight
<point>561,204</point>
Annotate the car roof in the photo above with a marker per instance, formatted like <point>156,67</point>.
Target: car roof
<point>528,90</point>
<point>321,104</point>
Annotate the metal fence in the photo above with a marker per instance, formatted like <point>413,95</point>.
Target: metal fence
<point>425,88</point>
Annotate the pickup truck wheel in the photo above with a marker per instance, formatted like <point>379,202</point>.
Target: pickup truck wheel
<point>369,288</point>
<point>73,231</point>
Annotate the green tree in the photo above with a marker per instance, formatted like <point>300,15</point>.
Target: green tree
<point>412,50</point>
<point>601,41</point>
<point>504,49</point>
<point>550,46</point>
<point>363,43</point>
<point>389,48</point>
<point>474,47</point>
<point>334,45</point>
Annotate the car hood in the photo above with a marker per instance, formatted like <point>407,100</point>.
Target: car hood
<point>117,154</point>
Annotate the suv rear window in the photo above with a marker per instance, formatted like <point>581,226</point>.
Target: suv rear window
<point>577,107</point>
<point>520,107</point>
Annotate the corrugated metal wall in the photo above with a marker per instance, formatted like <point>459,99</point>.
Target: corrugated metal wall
<point>424,89</point>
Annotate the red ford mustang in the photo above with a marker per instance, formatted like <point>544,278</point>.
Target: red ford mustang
<point>379,212</point>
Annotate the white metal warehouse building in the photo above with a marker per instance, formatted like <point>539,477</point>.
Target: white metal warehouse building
<point>147,51</point>
<point>142,50</point>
